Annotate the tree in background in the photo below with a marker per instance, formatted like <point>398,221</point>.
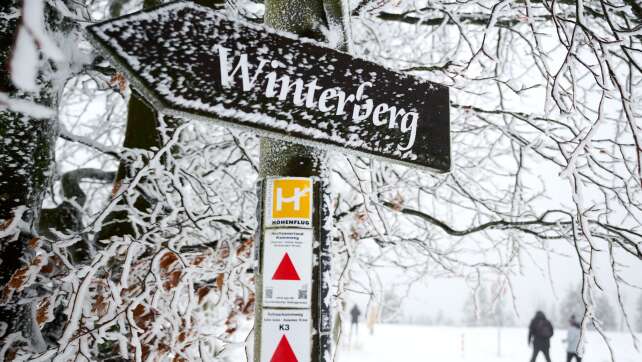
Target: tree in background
<point>605,313</point>
<point>503,313</point>
<point>639,316</point>
<point>488,305</point>
<point>571,304</point>
<point>477,308</point>
<point>391,307</point>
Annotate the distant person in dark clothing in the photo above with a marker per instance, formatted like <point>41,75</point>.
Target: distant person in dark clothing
<point>539,333</point>
<point>354,326</point>
<point>355,313</point>
<point>573,347</point>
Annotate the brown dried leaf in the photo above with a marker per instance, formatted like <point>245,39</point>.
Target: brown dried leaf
<point>182,336</point>
<point>118,80</point>
<point>245,248</point>
<point>167,260</point>
<point>48,268</point>
<point>37,261</point>
<point>145,351</point>
<point>198,260</point>
<point>230,318</point>
<point>138,311</point>
<point>220,279</point>
<point>162,349</point>
<point>172,279</point>
<point>354,233</point>
<point>178,358</point>
<point>18,278</point>
<point>100,306</point>
<point>239,303</point>
<point>6,224</point>
<point>249,305</point>
<point>230,330</point>
<point>224,252</point>
<point>142,316</point>
<point>202,293</point>
<point>33,243</point>
<point>11,354</point>
<point>42,313</point>
<point>397,202</point>
<point>21,278</point>
<point>117,184</point>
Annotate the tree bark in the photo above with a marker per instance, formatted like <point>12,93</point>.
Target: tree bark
<point>282,158</point>
<point>26,155</point>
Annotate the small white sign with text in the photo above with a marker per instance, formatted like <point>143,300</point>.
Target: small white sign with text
<point>286,335</point>
<point>287,268</point>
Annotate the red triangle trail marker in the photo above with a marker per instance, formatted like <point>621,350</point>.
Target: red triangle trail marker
<point>286,336</point>
<point>286,270</point>
<point>284,352</point>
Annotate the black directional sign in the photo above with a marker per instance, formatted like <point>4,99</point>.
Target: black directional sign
<point>195,62</point>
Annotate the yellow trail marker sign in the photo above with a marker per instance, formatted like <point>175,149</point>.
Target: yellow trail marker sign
<point>289,202</point>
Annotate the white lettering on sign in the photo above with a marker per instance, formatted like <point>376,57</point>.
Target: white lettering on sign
<point>296,198</point>
<point>286,335</point>
<point>305,94</point>
<point>287,268</point>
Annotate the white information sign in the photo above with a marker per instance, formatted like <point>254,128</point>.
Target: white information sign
<point>287,268</point>
<point>286,335</point>
<point>288,202</point>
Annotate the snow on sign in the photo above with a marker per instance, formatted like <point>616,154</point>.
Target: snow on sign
<point>286,335</point>
<point>195,62</point>
<point>287,268</point>
<point>288,202</point>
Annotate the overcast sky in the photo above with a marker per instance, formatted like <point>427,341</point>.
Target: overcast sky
<point>543,281</point>
<point>533,289</point>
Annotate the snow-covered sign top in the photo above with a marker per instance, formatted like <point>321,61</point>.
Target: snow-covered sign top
<point>195,62</point>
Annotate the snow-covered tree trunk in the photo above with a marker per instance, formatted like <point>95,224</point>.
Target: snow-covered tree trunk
<point>324,21</point>
<point>26,156</point>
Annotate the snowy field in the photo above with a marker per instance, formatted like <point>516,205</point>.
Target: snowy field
<point>404,343</point>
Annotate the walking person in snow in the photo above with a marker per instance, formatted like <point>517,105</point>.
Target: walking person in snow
<point>573,347</point>
<point>355,313</point>
<point>373,317</point>
<point>540,332</point>
<point>354,323</point>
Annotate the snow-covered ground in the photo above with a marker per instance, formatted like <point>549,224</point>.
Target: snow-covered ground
<point>405,343</point>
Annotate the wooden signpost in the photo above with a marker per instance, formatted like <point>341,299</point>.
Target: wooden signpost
<point>194,62</point>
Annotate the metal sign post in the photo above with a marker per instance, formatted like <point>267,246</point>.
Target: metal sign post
<point>194,62</point>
